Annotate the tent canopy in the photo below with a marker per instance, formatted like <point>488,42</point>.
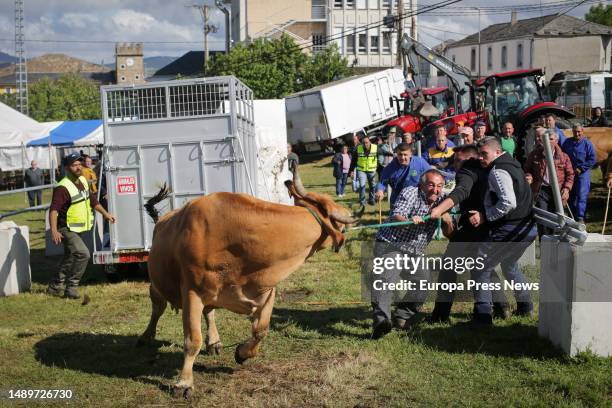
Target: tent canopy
<point>17,129</point>
<point>74,133</point>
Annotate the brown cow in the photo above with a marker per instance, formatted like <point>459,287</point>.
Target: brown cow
<point>229,251</point>
<point>601,137</point>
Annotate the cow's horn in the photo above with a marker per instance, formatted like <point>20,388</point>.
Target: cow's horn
<point>342,218</point>
<point>297,183</point>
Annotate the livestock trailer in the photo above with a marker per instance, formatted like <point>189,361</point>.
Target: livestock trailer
<point>342,107</point>
<point>196,136</point>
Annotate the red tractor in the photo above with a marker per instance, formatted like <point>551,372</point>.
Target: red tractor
<point>515,96</point>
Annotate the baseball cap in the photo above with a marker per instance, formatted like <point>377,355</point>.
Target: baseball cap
<point>392,129</point>
<point>480,123</point>
<point>466,130</point>
<point>71,158</point>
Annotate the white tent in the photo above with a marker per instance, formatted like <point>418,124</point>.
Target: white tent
<point>16,130</point>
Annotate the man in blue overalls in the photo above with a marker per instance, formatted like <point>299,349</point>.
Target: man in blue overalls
<point>582,154</point>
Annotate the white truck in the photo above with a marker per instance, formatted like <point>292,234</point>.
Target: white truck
<point>342,107</point>
<point>581,92</point>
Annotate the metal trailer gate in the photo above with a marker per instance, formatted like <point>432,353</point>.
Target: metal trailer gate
<point>196,135</point>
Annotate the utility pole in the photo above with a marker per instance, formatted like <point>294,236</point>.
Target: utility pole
<point>208,28</point>
<point>478,41</point>
<point>400,30</point>
<point>413,20</point>
<point>21,71</point>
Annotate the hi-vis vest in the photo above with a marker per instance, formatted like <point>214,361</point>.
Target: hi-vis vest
<point>367,163</point>
<point>79,217</point>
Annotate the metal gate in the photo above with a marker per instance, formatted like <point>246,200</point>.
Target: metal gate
<point>197,136</point>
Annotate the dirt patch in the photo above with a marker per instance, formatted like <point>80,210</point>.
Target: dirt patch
<point>294,295</point>
<point>323,380</point>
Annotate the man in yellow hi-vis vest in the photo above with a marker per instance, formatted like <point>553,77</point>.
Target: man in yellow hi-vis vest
<point>70,217</point>
<point>363,166</point>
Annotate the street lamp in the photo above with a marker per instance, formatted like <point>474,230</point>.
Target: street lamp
<point>477,8</point>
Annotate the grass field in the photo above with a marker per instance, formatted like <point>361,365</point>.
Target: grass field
<point>318,352</point>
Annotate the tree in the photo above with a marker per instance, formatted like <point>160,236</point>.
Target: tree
<point>325,66</point>
<point>600,14</point>
<point>70,97</point>
<point>278,67</point>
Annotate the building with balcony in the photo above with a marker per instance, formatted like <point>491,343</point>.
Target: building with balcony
<point>314,23</point>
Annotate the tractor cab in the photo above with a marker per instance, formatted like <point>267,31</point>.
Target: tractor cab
<point>506,95</point>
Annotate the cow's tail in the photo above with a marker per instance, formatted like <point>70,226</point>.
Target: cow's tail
<point>161,195</point>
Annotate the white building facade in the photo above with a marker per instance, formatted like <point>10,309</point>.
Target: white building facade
<point>354,25</point>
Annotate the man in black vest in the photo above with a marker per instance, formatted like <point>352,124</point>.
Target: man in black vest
<point>469,191</point>
<point>508,213</point>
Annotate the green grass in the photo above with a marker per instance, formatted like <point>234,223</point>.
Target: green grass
<point>317,353</point>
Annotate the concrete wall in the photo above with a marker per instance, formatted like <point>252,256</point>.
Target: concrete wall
<point>462,56</point>
<point>575,54</point>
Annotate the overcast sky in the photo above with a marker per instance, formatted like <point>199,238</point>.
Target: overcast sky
<point>102,22</point>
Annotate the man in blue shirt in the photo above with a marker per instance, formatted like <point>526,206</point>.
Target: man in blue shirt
<point>439,131</point>
<point>403,171</point>
<point>550,121</point>
<point>582,154</point>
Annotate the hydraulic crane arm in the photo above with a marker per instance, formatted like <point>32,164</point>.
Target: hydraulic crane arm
<point>458,75</point>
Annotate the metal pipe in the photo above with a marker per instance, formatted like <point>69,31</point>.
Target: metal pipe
<point>552,173</point>
<point>228,26</point>
<point>20,190</point>
<point>36,208</point>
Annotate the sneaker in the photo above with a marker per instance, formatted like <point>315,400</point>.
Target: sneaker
<point>381,328</point>
<point>371,202</point>
<point>54,290</point>
<point>71,293</point>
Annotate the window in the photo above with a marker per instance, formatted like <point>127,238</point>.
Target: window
<point>361,4</point>
<point>386,48</point>
<point>374,44</point>
<point>350,44</point>
<point>386,4</point>
<point>137,77</point>
<point>373,4</point>
<point>473,59</point>
<point>363,43</point>
<point>337,4</point>
<point>489,58</point>
<point>317,42</point>
<point>339,39</point>
<point>122,66</point>
<point>8,90</point>
<point>519,55</point>
<point>350,4</point>
<point>504,57</point>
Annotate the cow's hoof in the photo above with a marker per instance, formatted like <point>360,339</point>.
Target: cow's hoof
<point>237,357</point>
<point>179,391</point>
<point>215,348</point>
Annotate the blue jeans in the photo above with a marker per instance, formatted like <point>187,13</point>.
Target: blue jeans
<point>504,246</point>
<point>341,183</point>
<point>362,176</point>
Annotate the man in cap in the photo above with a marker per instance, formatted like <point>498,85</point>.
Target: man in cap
<point>70,217</point>
<point>480,130</point>
<point>467,135</point>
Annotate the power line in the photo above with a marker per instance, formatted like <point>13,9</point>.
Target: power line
<point>355,31</point>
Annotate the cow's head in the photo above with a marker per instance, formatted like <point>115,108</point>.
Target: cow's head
<point>334,217</point>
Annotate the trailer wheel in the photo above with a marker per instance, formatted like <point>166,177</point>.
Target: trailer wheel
<point>120,272</point>
<point>111,273</point>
